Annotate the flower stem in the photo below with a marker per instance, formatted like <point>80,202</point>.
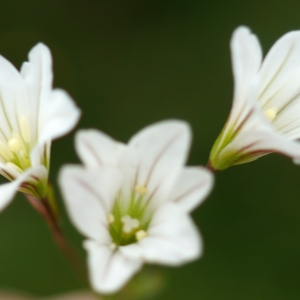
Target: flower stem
<point>44,208</point>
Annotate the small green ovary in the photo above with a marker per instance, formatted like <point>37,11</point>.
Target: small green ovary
<point>128,225</point>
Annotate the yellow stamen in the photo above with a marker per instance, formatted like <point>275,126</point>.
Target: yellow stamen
<point>140,234</point>
<point>271,114</point>
<point>15,144</point>
<point>141,189</point>
<point>110,218</point>
<point>5,152</point>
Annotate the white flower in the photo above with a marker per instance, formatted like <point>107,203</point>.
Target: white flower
<point>265,115</point>
<point>32,114</point>
<point>132,201</point>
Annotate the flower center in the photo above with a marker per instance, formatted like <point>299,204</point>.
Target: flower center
<point>15,153</point>
<point>271,114</point>
<point>128,223</point>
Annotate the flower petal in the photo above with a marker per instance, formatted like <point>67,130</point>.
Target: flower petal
<point>37,74</point>
<point>154,159</point>
<point>9,172</point>
<point>89,196</point>
<point>193,185</point>
<point>288,121</point>
<point>40,154</point>
<point>8,190</point>
<point>257,143</point>
<point>58,115</point>
<point>109,270</point>
<point>53,111</point>
<point>14,101</point>
<point>97,149</point>
<point>246,58</point>
<point>172,239</point>
<point>280,73</point>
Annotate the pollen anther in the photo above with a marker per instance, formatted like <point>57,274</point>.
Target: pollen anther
<point>14,145</point>
<point>271,114</point>
<point>140,234</point>
<point>141,189</point>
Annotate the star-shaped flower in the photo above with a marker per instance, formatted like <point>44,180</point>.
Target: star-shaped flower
<point>132,201</point>
<point>265,115</point>
<point>32,114</point>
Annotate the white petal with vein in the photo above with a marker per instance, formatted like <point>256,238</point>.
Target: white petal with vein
<point>192,187</point>
<point>154,158</point>
<point>88,195</point>
<point>97,149</point>
<point>172,239</point>
<point>109,270</point>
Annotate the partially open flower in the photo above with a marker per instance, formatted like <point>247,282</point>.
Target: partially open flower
<point>32,114</point>
<point>265,115</point>
<point>132,201</point>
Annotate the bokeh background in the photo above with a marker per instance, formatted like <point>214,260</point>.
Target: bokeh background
<point>131,63</point>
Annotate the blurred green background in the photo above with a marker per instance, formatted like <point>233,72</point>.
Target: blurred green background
<point>131,63</point>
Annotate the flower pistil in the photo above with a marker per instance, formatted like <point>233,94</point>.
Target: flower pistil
<point>129,223</point>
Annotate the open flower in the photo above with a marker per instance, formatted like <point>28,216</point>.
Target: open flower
<point>265,115</point>
<point>132,202</point>
<point>32,114</point>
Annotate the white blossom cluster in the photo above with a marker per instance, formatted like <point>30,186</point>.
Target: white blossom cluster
<point>132,202</point>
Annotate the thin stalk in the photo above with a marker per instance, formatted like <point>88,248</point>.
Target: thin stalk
<point>44,208</point>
